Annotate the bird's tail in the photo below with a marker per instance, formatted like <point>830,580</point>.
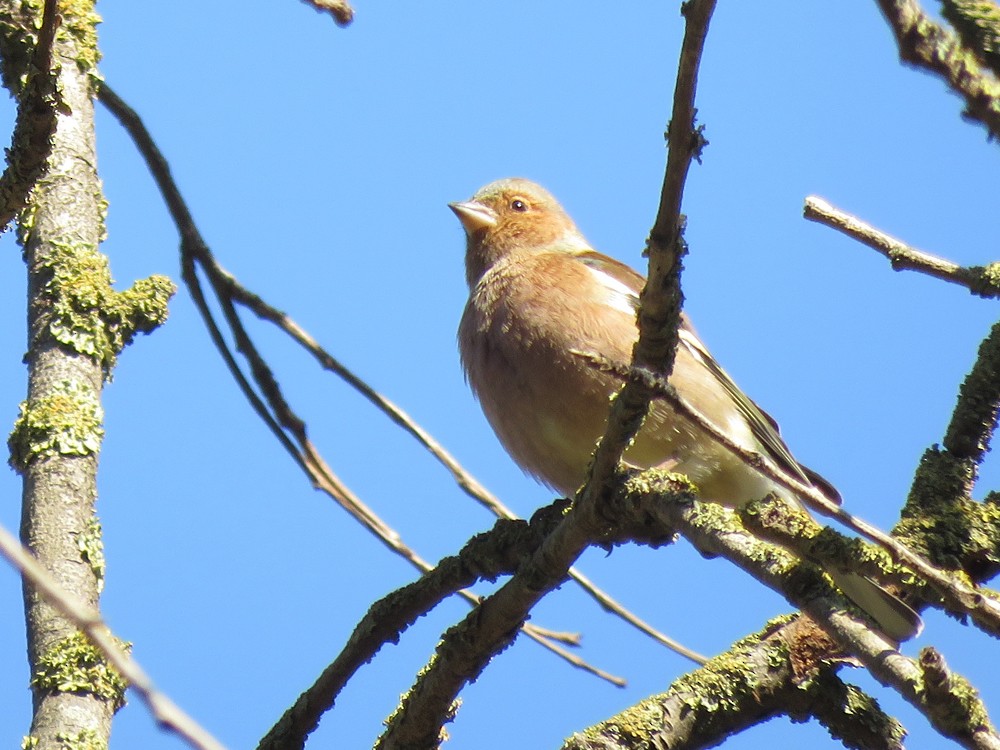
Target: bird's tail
<point>896,619</point>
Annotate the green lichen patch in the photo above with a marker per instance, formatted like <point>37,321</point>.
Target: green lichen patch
<point>28,742</point>
<point>659,481</point>
<point>67,421</point>
<point>978,25</point>
<point>985,280</point>
<point>19,27</point>
<point>943,524</point>
<point>723,685</point>
<point>74,665</point>
<point>79,23</point>
<point>951,700</point>
<point>85,739</point>
<point>18,35</point>
<point>88,315</point>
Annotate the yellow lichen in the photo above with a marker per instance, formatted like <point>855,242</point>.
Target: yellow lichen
<point>75,665</point>
<point>67,421</point>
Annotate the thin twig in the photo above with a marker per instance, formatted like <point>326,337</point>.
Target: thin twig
<point>272,407</point>
<point>466,481</point>
<point>983,281</point>
<point>661,298</point>
<point>165,711</point>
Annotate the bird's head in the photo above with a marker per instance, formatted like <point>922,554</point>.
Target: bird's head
<point>513,216</point>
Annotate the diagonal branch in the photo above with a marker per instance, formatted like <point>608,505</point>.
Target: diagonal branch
<point>485,556</point>
<point>264,393</point>
<point>715,530</point>
<point>167,714</point>
<point>983,281</point>
<point>955,594</point>
<point>661,298</point>
<point>926,45</point>
<point>783,670</point>
<point>467,648</point>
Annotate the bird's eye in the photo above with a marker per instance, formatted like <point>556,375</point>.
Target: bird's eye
<point>519,205</point>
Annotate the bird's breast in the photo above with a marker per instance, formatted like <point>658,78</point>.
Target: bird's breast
<point>529,339</point>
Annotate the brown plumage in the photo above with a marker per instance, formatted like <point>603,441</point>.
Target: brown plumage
<point>540,300</point>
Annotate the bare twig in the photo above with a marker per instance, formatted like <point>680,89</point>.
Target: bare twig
<point>983,281</point>
<point>466,481</point>
<point>165,711</point>
<point>228,287</point>
<point>269,403</point>
<point>925,44</point>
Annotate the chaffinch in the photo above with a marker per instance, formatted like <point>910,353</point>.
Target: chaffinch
<point>539,297</point>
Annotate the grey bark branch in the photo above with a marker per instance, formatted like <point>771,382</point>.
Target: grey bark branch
<point>780,671</point>
<point>927,45</point>
<point>59,489</point>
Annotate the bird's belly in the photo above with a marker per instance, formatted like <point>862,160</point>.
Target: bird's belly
<point>554,440</point>
<point>719,474</point>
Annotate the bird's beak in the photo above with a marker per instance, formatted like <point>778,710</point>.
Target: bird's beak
<point>474,215</point>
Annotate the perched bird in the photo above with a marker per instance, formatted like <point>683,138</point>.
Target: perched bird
<point>541,300</point>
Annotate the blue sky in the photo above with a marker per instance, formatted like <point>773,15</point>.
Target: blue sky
<point>318,162</point>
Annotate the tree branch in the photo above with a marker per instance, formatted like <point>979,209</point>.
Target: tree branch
<point>716,531</point>
<point>781,671</point>
<point>926,45</point>
<point>983,281</point>
<point>485,557</point>
<point>940,519</point>
<point>340,10</point>
<point>661,298</point>
<point>77,325</point>
<point>956,595</point>
<point>977,23</point>
<point>467,648</point>
<point>167,714</point>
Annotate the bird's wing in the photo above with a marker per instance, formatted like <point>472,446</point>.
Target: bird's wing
<point>762,425</point>
<point>624,285</point>
<point>622,282</point>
